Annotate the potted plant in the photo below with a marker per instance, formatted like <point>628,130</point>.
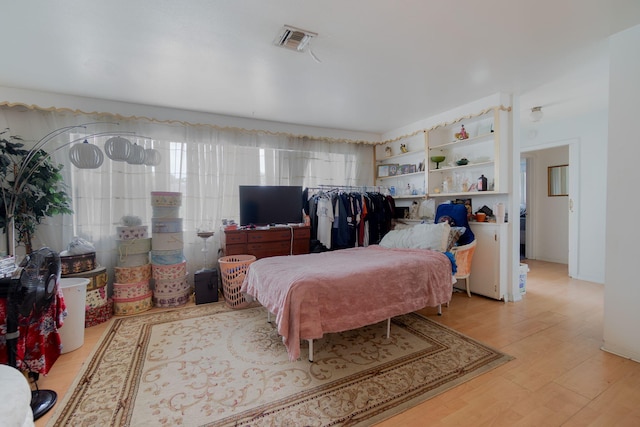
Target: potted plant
<point>32,189</point>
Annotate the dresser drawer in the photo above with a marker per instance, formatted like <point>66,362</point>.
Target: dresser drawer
<point>269,235</point>
<point>269,242</point>
<point>232,238</point>
<point>273,246</point>
<point>302,233</point>
<point>240,249</point>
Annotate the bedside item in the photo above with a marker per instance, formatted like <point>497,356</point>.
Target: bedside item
<point>169,271</point>
<point>233,270</point>
<point>166,225</point>
<point>167,241</point>
<point>129,306</point>
<point>133,246</point>
<point>206,285</point>
<point>77,263</point>
<point>481,217</point>
<point>132,232</point>
<point>132,274</point>
<point>166,198</point>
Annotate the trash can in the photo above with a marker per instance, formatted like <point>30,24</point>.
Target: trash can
<point>74,291</point>
<point>524,269</point>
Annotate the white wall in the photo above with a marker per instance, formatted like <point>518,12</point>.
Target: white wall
<point>622,290</point>
<point>590,132</point>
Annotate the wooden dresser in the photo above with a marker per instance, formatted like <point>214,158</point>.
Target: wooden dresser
<point>265,243</point>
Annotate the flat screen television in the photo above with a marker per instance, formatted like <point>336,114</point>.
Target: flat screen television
<point>270,204</point>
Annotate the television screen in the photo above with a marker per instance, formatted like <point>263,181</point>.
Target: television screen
<point>264,205</point>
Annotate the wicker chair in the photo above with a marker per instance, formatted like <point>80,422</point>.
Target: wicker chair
<point>464,255</point>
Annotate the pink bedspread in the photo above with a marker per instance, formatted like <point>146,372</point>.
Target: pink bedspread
<point>315,294</point>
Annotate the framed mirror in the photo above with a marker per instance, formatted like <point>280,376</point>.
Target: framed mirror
<point>558,180</point>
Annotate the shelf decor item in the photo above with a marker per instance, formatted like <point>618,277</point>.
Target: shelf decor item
<point>482,183</point>
<point>403,148</point>
<point>462,134</point>
<point>437,160</point>
<point>383,170</point>
<point>387,151</point>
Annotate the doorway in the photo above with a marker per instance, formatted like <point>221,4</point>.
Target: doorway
<point>524,192</point>
<point>547,222</point>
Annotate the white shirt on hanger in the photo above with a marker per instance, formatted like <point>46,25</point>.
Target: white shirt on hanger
<point>325,219</point>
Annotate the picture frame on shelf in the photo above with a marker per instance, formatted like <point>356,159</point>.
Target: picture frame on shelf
<point>393,169</point>
<point>383,171</point>
<point>407,168</point>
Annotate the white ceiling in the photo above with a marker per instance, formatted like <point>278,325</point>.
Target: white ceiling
<point>384,64</point>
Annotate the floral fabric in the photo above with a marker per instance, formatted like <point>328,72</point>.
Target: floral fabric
<point>39,344</point>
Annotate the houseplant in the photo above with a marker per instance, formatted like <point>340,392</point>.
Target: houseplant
<point>32,189</point>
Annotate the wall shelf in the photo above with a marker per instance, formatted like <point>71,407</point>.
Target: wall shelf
<point>462,142</point>
<point>467,166</point>
<point>467,194</point>
<point>398,156</point>
<point>401,175</point>
<point>410,196</point>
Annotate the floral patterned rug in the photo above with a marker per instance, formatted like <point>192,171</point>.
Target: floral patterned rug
<point>208,365</point>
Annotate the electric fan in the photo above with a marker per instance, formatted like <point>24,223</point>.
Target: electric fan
<point>29,292</point>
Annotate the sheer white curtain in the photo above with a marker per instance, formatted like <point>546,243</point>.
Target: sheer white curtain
<point>204,163</point>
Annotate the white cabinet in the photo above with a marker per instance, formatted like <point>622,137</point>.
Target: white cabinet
<point>469,157</point>
<point>489,273</point>
<point>400,166</point>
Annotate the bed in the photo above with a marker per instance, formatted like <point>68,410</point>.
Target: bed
<point>314,294</point>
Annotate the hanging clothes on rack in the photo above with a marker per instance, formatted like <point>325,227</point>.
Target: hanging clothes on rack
<point>355,216</point>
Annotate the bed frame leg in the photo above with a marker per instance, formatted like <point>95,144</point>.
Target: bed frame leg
<point>388,328</point>
<point>310,350</point>
<point>439,309</point>
<point>268,316</point>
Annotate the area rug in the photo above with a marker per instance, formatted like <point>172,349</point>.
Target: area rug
<point>209,365</point>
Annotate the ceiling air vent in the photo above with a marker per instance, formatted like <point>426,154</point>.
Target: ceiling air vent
<point>294,38</point>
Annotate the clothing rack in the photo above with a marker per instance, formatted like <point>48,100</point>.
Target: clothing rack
<point>355,188</point>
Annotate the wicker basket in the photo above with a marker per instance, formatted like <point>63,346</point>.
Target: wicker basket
<point>233,269</point>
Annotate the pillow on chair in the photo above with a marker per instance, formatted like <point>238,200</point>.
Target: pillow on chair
<point>454,236</point>
<point>456,215</point>
<point>421,236</point>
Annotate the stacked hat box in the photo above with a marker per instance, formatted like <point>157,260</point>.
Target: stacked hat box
<point>131,289</point>
<point>98,306</point>
<point>168,265</point>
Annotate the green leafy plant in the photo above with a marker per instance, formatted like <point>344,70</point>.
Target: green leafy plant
<point>32,189</point>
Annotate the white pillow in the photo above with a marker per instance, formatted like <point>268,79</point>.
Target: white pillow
<point>421,236</point>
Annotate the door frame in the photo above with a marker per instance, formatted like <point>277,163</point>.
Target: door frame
<point>574,202</point>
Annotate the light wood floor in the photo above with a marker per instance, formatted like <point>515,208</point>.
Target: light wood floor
<point>559,376</point>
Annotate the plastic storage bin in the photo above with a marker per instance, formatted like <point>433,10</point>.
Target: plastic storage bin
<point>524,269</point>
<point>233,269</point>
<point>74,291</point>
